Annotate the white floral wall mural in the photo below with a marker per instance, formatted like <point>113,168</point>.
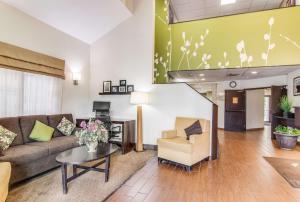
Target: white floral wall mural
<point>270,44</point>
<point>231,42</point>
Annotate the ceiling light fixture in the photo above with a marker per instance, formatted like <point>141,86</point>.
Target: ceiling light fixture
<point>201,74</point>
<point>254,72</point>
<point>203,79</point>
<point>226,2</point>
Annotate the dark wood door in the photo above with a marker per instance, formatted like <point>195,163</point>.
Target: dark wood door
<point>235,110</point>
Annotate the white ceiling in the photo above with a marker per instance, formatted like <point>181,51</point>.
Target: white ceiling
<point>86,20</point>
<point>186,10</point>
<point>217,75</point>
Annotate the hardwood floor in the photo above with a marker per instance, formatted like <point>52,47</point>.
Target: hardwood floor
<point>240,174</point>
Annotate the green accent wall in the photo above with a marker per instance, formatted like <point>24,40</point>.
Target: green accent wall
<point>260,39</point>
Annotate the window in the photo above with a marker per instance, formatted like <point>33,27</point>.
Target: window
<point>28,94</point>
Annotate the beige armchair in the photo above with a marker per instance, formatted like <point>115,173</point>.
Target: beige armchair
<point>5,170</point>
<point>174,147</point>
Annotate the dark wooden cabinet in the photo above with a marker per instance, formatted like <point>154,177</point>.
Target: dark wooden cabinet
<point>127,135</point>
<point>123,129</point>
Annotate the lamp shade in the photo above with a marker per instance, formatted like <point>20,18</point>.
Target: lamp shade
<point>76,76</point>
<point>139,98</point>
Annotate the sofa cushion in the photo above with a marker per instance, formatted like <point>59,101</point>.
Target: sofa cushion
<point>54,120</point>
<point>27,124</point>
<point>23,154</point>
<point>58,144</point>
<point>6,138</point>
<point>177,143</point>
<point>41,132</point>
<point>13,124</point>
<point>66,127</point>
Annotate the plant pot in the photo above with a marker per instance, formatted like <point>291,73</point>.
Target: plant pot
<point>286,114</point>
<point>285,141</point>
<point>91,146</point>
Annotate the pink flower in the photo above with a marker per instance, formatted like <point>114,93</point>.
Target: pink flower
<point>92,127</point>
<point>83,124</point>
<point>98,121</point>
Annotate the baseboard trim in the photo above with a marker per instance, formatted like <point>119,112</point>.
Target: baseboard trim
<point>253,129</point>
<point>150,147</point>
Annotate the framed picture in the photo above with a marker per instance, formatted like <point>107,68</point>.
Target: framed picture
<point>122,89</point>
<point>106,86</point>
<point>122,82</point>
<point>115,89</point>
<point>130,88</point>
<point>296,86</point>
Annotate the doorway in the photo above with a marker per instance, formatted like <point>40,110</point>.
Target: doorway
<point>251,109</point>
<point>235,110</point>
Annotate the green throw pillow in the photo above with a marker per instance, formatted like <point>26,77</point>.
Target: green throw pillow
<point>41,132</point>
<point>66,127</point>
<point>6,138</point>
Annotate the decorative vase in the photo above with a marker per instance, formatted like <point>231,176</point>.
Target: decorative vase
<point>91,146</point>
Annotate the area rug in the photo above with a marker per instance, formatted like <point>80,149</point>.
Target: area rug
<point>289,169</point>
<point>86,188</point>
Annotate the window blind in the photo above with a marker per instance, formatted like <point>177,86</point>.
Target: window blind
<point>17,58</point>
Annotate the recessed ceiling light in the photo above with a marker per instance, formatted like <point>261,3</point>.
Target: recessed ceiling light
<point>226,2</point>
<point>203,79</point>
<point>201,74</point>
<point>254,72</point>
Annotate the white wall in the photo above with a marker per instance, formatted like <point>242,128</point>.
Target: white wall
<point>22,30</point>
<point>126,53</point>
<point>295,99</point>
<point>243,84</point>
<point>255,109</point>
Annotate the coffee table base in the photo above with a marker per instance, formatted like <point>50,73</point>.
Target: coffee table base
<point>66,180</point>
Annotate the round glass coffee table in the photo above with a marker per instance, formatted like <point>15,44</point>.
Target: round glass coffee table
<point>79,155</point>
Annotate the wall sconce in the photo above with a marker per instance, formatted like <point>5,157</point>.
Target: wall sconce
<point>76,78</point>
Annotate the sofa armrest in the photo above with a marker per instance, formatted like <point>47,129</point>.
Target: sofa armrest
<point>196,139</point>
<point>169,134</point>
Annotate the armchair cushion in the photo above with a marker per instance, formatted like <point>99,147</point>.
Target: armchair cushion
<point>196,139</point>
<point>169,134</point>
<point>194,129</point>
<point>177,143</point>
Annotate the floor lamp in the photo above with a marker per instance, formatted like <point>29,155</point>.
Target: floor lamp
<point>139,98</point>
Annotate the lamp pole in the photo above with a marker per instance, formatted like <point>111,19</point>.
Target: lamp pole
<point>139,142</point>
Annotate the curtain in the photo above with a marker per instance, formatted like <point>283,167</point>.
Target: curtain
<point>42,94</point>
<point>29,94</point>
<point>10,92</point>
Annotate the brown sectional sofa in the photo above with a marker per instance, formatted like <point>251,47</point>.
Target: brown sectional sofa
<point>29,158</point>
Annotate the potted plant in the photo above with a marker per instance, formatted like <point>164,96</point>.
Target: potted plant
<point>91,134</point>
<point>286,137</point>
<point>285,106</point>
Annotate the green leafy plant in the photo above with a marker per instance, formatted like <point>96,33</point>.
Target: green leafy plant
<point>285,104</point>
<point>284,130</point>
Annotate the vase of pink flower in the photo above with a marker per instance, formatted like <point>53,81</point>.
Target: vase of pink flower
<point>91,134</point>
